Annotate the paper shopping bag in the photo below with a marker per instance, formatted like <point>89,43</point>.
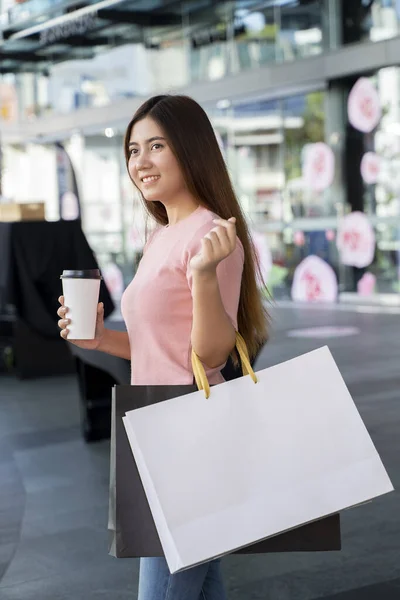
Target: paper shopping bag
<point>254,460</point>
<point>131,524</point>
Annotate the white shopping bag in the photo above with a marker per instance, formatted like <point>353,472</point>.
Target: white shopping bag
<point>254,460</point>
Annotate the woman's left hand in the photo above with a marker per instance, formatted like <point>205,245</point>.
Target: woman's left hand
<point>219,243</point>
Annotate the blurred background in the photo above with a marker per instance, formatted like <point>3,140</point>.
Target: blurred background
<point>304,97</point>
<point>275,78</point>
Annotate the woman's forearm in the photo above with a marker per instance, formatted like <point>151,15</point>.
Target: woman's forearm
<point>115,343</point>
<point>213,335</point>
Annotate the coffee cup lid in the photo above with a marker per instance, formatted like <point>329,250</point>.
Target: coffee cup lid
<point>81,274</point>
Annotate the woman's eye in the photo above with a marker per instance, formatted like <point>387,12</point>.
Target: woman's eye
<point>133,151</point>
<point>156,146</point>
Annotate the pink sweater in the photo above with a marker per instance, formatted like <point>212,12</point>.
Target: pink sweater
<point>157,306</point>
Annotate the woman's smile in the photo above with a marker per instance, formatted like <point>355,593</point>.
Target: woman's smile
<point>150,179</point>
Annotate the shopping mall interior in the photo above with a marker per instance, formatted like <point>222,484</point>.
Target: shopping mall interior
<point>275,79</point>
<point>304,100</point>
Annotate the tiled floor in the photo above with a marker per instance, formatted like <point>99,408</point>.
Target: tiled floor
<point>53,487</point>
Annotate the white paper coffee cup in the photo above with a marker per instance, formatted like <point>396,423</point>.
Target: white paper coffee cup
<point>81,296</point>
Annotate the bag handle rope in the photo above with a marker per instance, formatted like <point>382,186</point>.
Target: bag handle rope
<point>200,374</point>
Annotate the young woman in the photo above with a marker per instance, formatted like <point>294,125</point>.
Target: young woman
<point>195,286</point>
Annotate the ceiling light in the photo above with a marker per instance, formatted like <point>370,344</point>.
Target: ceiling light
<point>223,104</point>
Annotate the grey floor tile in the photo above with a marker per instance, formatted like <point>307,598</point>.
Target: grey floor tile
<point>54,487</point>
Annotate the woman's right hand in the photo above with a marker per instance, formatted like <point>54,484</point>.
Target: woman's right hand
<point>86,344</point>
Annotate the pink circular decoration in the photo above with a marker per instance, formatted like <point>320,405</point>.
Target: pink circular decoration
<point>318,166</point>
<point>356,240</point>
<point>330,235</point>
<point>366,285</point>
<point>370,167</point>
<point>298,238</point>
<point>314,281</point>
<point>363,106</point>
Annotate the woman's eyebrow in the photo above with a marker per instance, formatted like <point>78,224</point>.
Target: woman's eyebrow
<point>152,139</point>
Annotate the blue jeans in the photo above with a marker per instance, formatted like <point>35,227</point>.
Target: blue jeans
<point>198,583</point>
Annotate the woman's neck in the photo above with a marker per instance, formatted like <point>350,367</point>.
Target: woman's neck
<point>179,211</point>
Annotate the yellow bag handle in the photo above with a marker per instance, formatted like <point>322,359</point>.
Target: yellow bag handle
<point>200,374</point>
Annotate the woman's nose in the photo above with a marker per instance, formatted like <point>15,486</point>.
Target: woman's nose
<point>143,162</point>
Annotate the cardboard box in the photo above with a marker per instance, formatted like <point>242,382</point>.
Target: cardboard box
<point>24,211</point>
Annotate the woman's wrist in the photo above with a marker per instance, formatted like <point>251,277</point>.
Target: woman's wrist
<point>207,277</point>
<point>103,341</point>
<point>115,343</point>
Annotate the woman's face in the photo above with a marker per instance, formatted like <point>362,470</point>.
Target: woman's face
<point>152,164</point>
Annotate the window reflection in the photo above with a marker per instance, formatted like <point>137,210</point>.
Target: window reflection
<point>257,140</point>
<point>210,31</point>
<point>256,32</point>
<point>374,20</point>
<point>379,195</point>
<point>300,31</point>
<point>265,142</point>
<point>304,120</point>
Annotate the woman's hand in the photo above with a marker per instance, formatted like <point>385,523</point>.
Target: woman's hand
<point>86,344</point>
<point>219,243</point>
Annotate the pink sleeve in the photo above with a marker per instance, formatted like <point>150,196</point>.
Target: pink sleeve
<point>229,273</point>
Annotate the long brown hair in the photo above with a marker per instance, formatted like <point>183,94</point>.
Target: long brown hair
<point>193,141</point>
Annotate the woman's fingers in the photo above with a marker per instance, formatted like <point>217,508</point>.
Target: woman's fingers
<point>222,244</point>
<point>64,333</point>
<point>62,323</point>
<point>217,244</point>
<point>211,240</point>
<point>230,228</point>
<point>207,248</point>
<point>62,311</point>
<point>223,236</point>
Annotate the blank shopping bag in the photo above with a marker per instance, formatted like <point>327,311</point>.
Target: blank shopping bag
<point>131,525</point>
<point>254,460</point>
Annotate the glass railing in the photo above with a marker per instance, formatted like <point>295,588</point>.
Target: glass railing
<point>370,21</point>
<point>209,45</point>
<point>30,10</point>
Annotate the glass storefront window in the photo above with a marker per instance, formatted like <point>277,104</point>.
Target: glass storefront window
<point>264,143</point>
<point>304,125</point>
<point>118,74</point>
<point>166,57</point>
<point>210,33</point>
<point>256,140</point>
<point>267,32</point>
<point>15,11</point>
<point>380,184</point>
<point>369,265</point>
<point>385,267</point>
<point>195,43</point>
<point>375,21</point>
<point>256,34</point>
<point>300,29</point>
<point>8,99</point>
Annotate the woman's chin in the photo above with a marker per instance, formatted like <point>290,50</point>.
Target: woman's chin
<point>150,195</point>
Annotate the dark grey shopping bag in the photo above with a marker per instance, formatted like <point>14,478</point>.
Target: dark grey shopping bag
<point>131,525</point>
